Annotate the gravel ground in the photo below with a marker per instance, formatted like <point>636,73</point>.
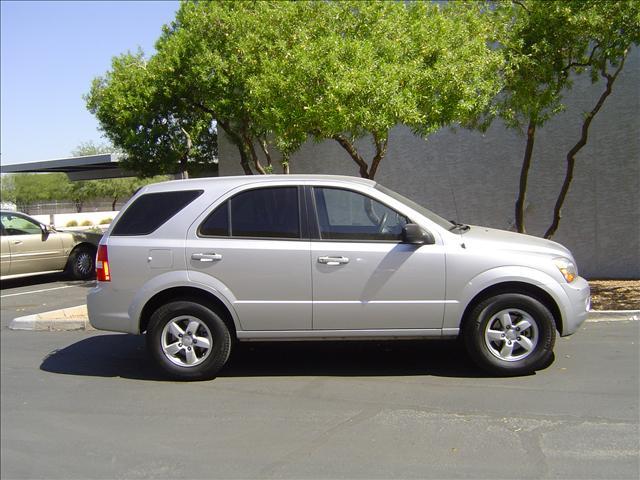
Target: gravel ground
<point>615,294</point>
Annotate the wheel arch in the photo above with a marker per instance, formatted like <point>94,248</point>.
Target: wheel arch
<point>194,294</point>
<point>78,246</point>
<point>529,289</point>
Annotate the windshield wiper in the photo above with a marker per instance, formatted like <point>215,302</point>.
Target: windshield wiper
<point>459,226</point>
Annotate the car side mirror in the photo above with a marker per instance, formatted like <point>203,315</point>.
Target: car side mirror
<point>412,233</point>
<point>46,229</point>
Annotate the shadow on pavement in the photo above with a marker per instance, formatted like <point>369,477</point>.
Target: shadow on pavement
<point>119,355</point>
<point>36,280</point>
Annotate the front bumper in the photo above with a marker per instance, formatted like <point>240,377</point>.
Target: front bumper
<point>577,308</point>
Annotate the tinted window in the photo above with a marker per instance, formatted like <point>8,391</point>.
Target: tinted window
<point>216,224</point>
<point>343,214</point>
<point>150,211</point>
<point>266,212</point>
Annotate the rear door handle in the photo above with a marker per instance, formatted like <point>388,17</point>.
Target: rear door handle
<point>333,260</point>
<point>206,257</point>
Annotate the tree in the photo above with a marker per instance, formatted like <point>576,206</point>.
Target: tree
<point>214,53</point>
<point>7,188</point>
<point>358,69</point>
<point>34,187</point>
<point>90,148</point>
<point>144,119</point>
<point>612,29</point>
<point>545,44</point>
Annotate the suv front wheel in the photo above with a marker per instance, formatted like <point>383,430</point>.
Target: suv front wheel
<point>188,340</point>
<point>510,334</point>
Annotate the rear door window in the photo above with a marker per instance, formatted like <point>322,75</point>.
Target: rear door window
<point>149,211</point>
<point>262,213</point>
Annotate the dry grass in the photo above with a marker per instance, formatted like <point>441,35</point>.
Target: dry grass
<point>615,294</point>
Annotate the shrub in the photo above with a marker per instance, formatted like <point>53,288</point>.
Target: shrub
<point>106,221</point>
<point>72,223</point>
<point>87,223</point>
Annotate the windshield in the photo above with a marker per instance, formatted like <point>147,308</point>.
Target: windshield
<point>434,217</point>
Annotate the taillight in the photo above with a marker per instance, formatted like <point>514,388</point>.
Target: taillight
<point>103,274</point>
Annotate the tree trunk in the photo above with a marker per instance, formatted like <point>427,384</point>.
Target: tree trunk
<point>184,173</point>
<point>571,156</point>
<point>267,154</point>
<point>113,204</point>
<point>247,139</point>
<point>364,169</point>
<point>381,150</point>
<point>524,177</point>
<point>237,141</point>
<point>353,153</point>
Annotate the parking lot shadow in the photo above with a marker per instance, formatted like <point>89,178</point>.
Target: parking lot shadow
<point>45,279</point>
<point>119,355</point>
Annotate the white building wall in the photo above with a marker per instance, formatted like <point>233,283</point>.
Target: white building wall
<point>473,177</point>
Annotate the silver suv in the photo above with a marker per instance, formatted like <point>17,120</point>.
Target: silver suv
<point>198,264</point>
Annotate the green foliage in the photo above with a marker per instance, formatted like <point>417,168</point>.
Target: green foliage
<point>87,223</point>
<point>273,73</point>
<point>141,116</point>
<point>546,42</point>
<point>7,189</point>
<point>545,45</point>
<point>106,221</point>
<point>90,148</point>
<point>72,223</point>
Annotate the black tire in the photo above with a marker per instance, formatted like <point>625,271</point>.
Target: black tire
<point>181,314</point>
<point>504,351</point>
<point>82,263</point>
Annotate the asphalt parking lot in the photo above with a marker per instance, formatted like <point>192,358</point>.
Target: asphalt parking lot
<point>88,404</point>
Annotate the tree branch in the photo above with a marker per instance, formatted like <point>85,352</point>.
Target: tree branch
<point>351,150</point>
<point>571,156</point>
<point>381,150</point>
<point>571,65</point>
<point>248,143</point>
<point>263,145</point>
<point>524,177</point>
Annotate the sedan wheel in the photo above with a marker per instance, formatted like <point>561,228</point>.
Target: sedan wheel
<point>82,263</point>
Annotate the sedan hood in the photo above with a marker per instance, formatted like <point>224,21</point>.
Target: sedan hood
<point>481,237</point>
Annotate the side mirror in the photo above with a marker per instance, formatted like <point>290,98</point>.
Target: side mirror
<point>412,233</point>
<point>46,229</point>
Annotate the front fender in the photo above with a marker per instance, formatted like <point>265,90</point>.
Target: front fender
<point>500,275</point>
<point>181,278</point>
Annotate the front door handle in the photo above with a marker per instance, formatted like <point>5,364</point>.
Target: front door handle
<point>17,242</point>
<point>333,260</point>
<point>206,257</point>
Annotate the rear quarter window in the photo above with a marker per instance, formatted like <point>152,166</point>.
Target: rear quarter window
<point>150,211</point>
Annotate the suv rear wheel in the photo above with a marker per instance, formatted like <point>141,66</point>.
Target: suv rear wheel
<point>510,334</point>
<point>188,340</point>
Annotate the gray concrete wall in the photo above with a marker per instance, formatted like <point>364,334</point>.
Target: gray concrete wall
<point>473,177</point>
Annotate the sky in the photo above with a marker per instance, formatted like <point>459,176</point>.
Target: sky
<point>50,53</point>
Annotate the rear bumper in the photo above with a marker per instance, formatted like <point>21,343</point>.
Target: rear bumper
<point>578,305</point>
<point>107,311</point>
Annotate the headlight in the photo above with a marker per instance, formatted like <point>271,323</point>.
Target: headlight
<point>567,268</point>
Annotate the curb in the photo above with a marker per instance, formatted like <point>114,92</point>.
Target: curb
<point>73,318</point>
<point>76,318</point>
<point>613,316</point>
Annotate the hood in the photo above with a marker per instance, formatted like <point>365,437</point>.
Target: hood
<point>481,237</point>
